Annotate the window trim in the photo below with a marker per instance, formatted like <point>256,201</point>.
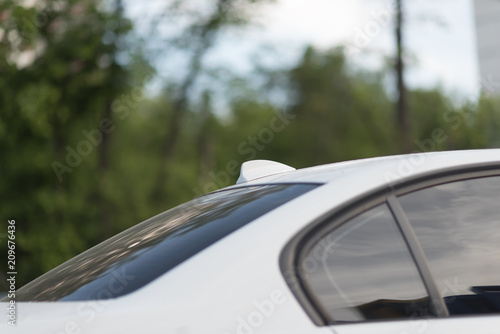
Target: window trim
<point>305,239</point>
<point>437,302</point>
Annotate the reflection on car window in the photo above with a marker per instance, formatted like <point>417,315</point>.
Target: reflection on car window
<point>363,270</point>
<point>137,256</point>
<point>458,226</point>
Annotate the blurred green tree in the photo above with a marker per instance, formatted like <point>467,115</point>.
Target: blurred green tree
<point>198,37</point>
<point>341,114</point>
<point>88,150</point>
<point>59,78</point>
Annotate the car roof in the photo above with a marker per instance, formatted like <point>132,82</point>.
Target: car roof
<point>392,169</point>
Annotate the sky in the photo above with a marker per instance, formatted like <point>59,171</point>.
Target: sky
<point>440,38</point>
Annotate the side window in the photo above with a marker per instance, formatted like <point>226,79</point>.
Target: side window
<point>363,270</point>
<point>458,227</point>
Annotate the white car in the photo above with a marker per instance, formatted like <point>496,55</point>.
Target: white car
<point>392,245</point>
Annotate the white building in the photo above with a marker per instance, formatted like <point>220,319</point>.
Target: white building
<point>487,15</point>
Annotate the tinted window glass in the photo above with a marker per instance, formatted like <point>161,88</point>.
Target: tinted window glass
<point>363,270</point>
<point>458,226</point>
<point>135,257</point>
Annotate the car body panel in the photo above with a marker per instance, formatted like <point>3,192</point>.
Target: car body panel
<point>224,288</point>
<point>462,325</point>
<point>386,170</point>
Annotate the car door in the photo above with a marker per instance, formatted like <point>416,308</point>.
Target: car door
<point>423,258</point>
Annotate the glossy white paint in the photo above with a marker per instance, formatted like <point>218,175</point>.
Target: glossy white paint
<point>386,170</point>
<point>462,325</point>
<point>256,169</point>
<point>235,285</point>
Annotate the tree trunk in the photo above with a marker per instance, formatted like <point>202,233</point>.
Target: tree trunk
<point>104,149</point>
<point>403,122</point>
<point>205,39</point>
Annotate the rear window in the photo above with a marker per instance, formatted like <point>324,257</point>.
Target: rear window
<point>135,257</point>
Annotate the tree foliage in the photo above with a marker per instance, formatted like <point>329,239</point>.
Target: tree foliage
<point>81,139</point>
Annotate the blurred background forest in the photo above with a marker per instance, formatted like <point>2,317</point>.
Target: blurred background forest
<point>95,136</point>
